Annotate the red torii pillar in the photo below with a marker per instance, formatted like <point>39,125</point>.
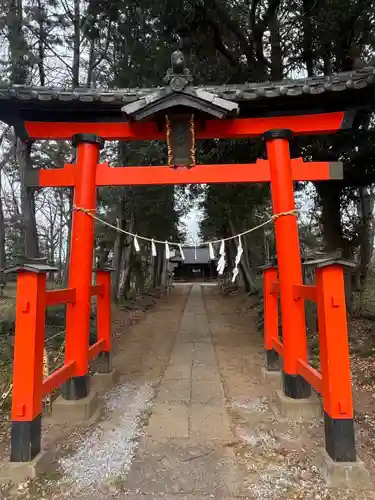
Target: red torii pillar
<point>81,264</point>
<point>289,261</point>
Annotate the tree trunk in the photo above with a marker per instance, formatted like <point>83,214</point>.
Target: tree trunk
<point>139,276</point>
<point>308,38</point>
<point>276,52</point>
<point>17,44</point>
<point>366,206</point>
<point>127,267</point>
<point>156,282</point>
<point>27,202</point>
<point>160,267</point>
<point>69,242</point>
<point>151,272</point>
<point>330,200</point>
<point>19,70</point>
<point>77,44</point>
<point>244,265</point>
<point>61,239</point>
<point>118,250</point>
<point>2,239</point>
<point>41,43</point>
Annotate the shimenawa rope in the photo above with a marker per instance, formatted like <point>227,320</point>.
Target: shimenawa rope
<point>91,213</point>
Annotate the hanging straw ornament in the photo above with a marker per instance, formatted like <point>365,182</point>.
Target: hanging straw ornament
<point>222,263</point>
<point>239,252</point>
<point>181,252</point>
<point>235,274</point>
<point>211,251</point>
<point>236,271</point>
<point>222,248</point>
<point>136,244</point>
<point>167,251</point>
<point>153,249</point>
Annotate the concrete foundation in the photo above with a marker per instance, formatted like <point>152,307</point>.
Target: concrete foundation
<point>104,381</point>
<point>18,472</point>
<point>345,475</point>
<point>273,380</point>
<point>82,410</point>
<point>285,408</point>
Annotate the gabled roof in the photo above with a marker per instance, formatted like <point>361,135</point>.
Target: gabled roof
<point>166,98</point>
<point>192,256</point>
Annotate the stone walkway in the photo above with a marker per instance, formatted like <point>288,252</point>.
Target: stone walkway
<point>187,448</point>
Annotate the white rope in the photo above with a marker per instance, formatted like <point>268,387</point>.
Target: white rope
<point>177,244</point>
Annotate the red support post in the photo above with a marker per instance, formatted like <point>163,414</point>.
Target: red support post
<point>271,317</point>
<point>289,262</point>
<point>80,266</point>
<point>335,363</point>
<point>104,322</point>
<point>28,366</point>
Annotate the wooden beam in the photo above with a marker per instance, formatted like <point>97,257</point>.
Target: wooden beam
<point>65,296</point>
<point>238,128</point>
<point>312,376</point>
<point>200,174</point>
<point>305,292</point>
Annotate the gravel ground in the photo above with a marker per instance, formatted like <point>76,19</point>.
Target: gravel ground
<point>106,454</point>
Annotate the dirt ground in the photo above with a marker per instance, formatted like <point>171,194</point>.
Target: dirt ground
<point>271,460</point>
<point>141,353</point>
<point>280,458</point>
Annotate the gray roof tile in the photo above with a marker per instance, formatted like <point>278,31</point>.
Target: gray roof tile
<point>358,79</point>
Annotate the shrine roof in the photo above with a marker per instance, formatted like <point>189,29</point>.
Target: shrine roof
<point>193,256</point>
<point>307,95</point>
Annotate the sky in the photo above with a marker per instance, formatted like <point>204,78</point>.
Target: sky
<point>191,220</point>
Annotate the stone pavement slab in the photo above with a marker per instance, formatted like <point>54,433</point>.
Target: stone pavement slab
<point>207,393</point>
<point>175,466</point>
<point>210,422</point>
<point>178,371</point>
<point>174,391</point>
<point>185,451</point>
<point>169,421</point>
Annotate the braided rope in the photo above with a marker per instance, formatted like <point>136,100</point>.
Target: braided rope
<point>273,218</point>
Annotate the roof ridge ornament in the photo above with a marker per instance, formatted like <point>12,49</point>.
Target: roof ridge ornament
<point>178,76</point>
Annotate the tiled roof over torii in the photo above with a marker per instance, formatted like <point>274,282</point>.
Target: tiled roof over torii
<point>343,91</point>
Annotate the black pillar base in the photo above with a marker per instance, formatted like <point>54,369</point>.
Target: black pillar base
<point>76,388</point>
<point>340,439</point>
<point>272,361</point>
<point>296,387</point>
<point>104,362</point>
<point>25,441</point>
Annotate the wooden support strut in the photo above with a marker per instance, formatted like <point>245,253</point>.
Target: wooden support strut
<point>28,366</point>
<point>271,319</point>
<point>335,364</point>
<point>104,323</point>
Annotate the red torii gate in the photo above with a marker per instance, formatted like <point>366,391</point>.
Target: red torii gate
<point>87,174</point>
